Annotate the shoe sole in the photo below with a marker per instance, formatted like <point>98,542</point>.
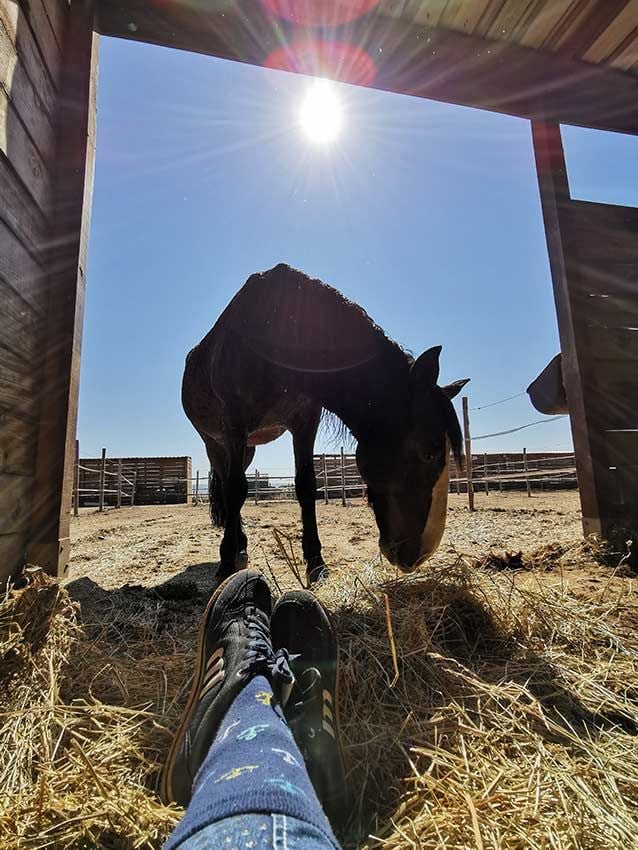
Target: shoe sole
<point>166,786</point>
<point>337,700</point>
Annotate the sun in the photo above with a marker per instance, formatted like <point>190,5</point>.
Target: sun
<point>321,114</point>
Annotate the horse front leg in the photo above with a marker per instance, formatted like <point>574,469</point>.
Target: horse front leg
<point>232,551</point>
<point>304,431</point>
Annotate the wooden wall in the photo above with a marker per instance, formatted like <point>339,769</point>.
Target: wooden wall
<point>35,76</point>
<point>593,254</point>
<point>158,480</point>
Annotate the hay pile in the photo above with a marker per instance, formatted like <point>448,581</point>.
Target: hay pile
<point>476,712</point>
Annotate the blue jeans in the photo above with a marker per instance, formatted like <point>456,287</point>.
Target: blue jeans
<point>253,790</point>
<point>255,831</point>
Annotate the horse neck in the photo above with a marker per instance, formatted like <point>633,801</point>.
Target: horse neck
<point>371,397</point>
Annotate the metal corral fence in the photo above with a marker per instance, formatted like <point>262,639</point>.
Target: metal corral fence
<point>338,477</point>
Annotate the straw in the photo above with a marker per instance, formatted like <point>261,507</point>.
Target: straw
<point>512,722</point>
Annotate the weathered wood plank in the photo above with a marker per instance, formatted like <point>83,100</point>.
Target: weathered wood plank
<point>12,548</point>
<point>614,396</point>
<point>57,11</point>
<point>430,13</point>
<point>17,439</point>
<point>20,271</point>
<point>542,25</point>
<point>603,231</point>
<point>21,325</point>
<point>34,13</point>
<point>627,57</point>
<point>613,343</point>
<point>614,34</point>
<point>17,382</point>
<point>469,15</point>
<point>23,95</point>
<point>26,48</point>
<point>20,212</point>
<point>15,499</point>
<point>622,448</point>
<point>506,20</point>
<point>22,153</point>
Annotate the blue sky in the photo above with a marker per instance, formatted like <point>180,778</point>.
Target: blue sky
<point>426,214</point>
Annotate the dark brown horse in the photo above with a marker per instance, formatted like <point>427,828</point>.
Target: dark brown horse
<point>286,347</point>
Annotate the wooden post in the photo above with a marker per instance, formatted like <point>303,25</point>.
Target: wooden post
<point>565,267</point>
<point>119,482</point>
<point>526,468</point>
<point>197,488</point>
<point>468,453</point>
<point>324,471</point>
<point>487,486</point>
<point>256,486</point>
<point>48,520</point>
<point>102,480</point>
<point>343,479</point>
<point>457,476</point>
<point>76,480</point>
<point>133,487</point>
<point>498,472</point>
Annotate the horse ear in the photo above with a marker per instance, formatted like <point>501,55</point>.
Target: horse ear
<point>452,390</point>
<point>425,369</point>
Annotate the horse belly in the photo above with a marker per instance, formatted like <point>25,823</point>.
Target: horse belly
<point>265,435</point>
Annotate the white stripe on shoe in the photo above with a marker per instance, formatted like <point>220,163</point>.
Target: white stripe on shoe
<point>215,671</point>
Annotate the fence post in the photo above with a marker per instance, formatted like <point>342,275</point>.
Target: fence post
<point>468,453</point>
<point>76,480</point>
<point>133,487</point>
<point>197,487</point>
<point>256,486</point>
<point>487,486</point>
<point>324,472</point>
<point>119,482</point>
<point>498,472</point>
<point>526,468</point>
<point>102,478</point>
<point>343,479</point>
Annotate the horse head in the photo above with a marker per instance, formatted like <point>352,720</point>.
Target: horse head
<point>406,468</point>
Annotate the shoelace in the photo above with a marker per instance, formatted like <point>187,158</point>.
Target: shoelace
<point>261,659</point>
<point>301,708</point>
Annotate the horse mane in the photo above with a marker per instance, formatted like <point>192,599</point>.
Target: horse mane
<point>303,324</point>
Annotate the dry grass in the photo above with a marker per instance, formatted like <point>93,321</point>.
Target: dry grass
<point>477,713</point>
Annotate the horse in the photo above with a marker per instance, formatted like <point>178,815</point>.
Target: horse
<point>287,347</point>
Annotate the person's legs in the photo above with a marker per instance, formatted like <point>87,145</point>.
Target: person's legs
<point>234,760</point>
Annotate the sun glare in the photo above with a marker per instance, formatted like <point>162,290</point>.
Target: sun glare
<point>321,116</point>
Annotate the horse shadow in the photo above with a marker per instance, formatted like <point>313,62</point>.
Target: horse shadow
<point>442,650</point>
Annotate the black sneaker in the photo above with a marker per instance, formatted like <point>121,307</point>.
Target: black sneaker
<point>234,645</point>
<point>301,625</point>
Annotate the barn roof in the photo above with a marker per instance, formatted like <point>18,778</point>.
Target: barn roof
<point>572,61</point>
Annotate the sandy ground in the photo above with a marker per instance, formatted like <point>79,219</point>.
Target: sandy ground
<point>149,545</point>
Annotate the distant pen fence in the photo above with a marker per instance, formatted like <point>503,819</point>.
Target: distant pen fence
<point>105,482</point>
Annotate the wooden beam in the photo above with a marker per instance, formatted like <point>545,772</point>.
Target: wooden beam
<point>48,544</point>
<point>429,62</point>
<point>555,200</point>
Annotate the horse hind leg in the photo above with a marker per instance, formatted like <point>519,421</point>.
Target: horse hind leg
<point>228,493</point>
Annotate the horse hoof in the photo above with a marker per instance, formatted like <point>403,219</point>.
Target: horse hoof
<point>318,573</point>
<point>241,560</point>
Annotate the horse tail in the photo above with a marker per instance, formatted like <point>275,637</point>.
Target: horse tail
<point>216,502</point>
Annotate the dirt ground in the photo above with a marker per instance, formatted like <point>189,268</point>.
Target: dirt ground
<point>150,545</point>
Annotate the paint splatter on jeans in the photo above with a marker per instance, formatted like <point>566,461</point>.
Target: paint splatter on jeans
<point>254,779</point>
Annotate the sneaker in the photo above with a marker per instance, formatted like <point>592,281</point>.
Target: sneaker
<point>234,646</point>
<point>301,625</point>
